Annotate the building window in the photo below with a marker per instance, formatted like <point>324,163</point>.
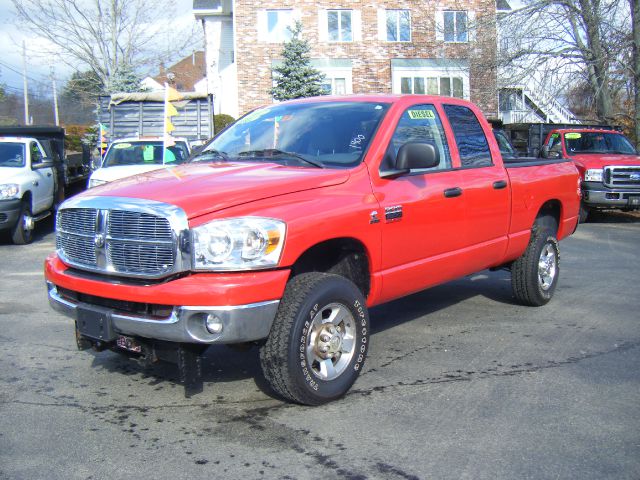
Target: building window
<point>335,86</point>
<point>446,86</point>
<point>339,26</point>
<point>398,26</point>
<point>455,27</point>
<point>278,23</point>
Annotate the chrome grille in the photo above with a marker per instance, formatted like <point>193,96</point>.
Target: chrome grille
<point>81,249</point>
<point>141,226</point>
<point>80,221</point>
<point>126,239</point>
<point>619,176</point>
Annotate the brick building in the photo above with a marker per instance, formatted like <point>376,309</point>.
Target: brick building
<point>444,48</point>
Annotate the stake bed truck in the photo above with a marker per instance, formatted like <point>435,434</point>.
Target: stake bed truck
<point>294,221</point>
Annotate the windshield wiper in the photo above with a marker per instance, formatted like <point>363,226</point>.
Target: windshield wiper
<point>210,153</point>
<point>274,152</point>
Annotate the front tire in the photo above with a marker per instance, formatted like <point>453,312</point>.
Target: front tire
<point>22,232</point>
<point>534,276</point>
<point>584,213</point>
<point>318,340</point>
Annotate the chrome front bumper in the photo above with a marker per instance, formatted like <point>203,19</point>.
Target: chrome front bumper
<point>241,323</point>
<point>611,198</point>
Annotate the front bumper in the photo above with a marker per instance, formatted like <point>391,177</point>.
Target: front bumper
<point>9,213</point>
<point>241,323</point>
<point>244,304</point>
<point>603,197</point>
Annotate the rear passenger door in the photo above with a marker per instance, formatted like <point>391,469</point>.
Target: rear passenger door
<point>485,185</point>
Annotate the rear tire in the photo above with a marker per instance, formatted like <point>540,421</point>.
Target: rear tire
<point>22,232</point>
<point>318,340</point>
<point>534,276</point>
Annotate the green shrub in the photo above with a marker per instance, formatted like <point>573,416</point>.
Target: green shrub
<point>220,121</point>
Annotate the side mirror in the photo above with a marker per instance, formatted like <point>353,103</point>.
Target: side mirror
<point>546,153</point>
<point>45,162</point>
<point>413,156</point>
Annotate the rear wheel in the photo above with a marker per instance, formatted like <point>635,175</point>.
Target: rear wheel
<point>318,340</point>
<point>22,232</point>
<point>534,275</point>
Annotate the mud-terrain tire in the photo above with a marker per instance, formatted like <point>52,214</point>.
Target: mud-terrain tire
<point>534,275</point>
<point>318,341</point>
<point>20,233</point>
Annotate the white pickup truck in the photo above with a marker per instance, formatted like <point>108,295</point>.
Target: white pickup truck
<point>132,156</point>
<point>28,186</point>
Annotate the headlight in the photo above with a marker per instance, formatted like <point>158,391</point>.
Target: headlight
<point>9,190</point>
<point>593,175</point>
<point>244,243</point>
<point>94,182</point>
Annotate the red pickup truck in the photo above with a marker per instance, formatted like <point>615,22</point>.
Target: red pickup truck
<point>295,220</point>
<point>608,164</point>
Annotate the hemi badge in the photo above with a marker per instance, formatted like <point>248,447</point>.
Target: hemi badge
<point>393,213</point>
<point>374,217</point>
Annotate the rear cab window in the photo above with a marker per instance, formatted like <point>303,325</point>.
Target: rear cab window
<point>419,124</point>
<point>470,138</point>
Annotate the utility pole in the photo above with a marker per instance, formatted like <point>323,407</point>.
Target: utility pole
<point>24,78</point>
<point>55,97</point>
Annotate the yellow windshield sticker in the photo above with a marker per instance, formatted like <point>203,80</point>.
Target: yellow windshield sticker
<point>421,114</point>
<point>121,145</point>
<point>147,153</point>
<point>572,135</point>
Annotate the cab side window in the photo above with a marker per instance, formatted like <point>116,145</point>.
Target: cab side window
<point>420,124</point>
<point>470,138</point>
<point>554,143</point>
<point>36,154</point>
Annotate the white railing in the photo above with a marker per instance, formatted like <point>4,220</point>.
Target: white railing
<point>521,116</point>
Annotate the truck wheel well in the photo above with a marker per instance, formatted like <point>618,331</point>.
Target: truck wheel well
<point>551,208</point>
<point>27,198</point>
<point>341,256</point>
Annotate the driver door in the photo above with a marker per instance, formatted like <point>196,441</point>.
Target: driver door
<point>43,180</point>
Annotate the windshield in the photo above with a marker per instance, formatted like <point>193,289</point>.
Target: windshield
<point>145,153</point>
<point>12,155</point>
<point>597,142</point>
<point>322,134</point>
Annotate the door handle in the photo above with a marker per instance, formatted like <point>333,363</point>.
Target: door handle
<point>35,183</point>
<point>48,174</point>
<point>453,192</point>
<point>499,184</point>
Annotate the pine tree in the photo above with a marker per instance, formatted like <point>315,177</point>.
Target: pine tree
<point>295,77</point>
<point>124,79</point>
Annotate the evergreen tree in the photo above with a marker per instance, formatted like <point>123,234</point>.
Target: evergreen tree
<point>124,80</point>
<point>295,77</point>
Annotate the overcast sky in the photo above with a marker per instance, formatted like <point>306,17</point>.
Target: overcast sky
<point>39,66</point>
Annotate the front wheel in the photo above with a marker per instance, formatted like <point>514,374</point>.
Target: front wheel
<point>318,340</point>
<point>534,275</point>
<point>22,232</point>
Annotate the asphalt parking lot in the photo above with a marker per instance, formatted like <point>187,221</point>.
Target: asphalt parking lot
<point>460,383</point>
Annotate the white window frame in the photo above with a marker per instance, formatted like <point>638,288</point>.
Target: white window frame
<point>331,74</point>
<point>340,12</point>
<point>397,12</point>
<point>403,72</point>
<point>281,34</point>
<point>471,30</point>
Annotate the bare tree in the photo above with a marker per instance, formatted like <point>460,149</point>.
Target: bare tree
<point>565,40</point>
<point>104,35</point>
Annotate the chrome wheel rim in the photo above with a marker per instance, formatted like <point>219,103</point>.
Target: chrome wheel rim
<point>547,267</point>
<point>331,341</point>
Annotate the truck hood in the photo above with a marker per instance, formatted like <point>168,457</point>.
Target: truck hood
<point>595,160</point>
<point>11,175</point>
<point>204,188</point>
<point>109,174</point>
